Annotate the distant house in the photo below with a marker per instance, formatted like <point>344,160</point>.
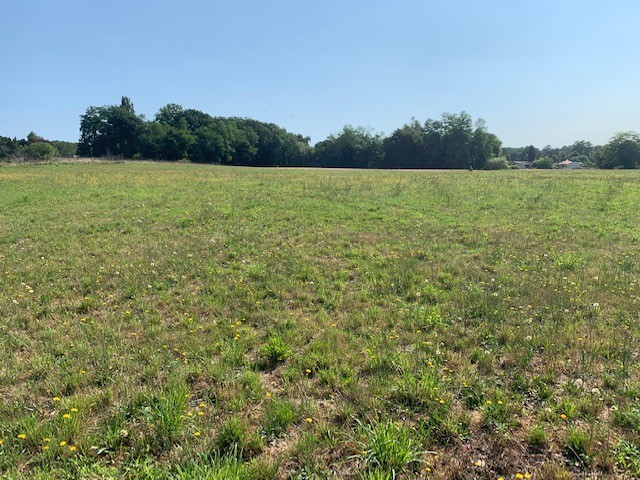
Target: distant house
<point>521,164</point>
<point>569,165</point>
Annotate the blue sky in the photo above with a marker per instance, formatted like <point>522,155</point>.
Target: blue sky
<point>539,72</point>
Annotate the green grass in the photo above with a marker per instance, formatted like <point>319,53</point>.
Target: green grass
<point>188,321</point>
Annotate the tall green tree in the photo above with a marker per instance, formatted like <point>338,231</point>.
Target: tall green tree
<point>451,142</point>
<point>622,151</point>
<point>353,147</point>
<point>407,147</point>
<point>113,130</point>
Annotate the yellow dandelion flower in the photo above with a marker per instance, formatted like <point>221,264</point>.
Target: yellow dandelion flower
<point>489,402</point>
<point>56,399</point>
<point>563,416</point>
<point>196,434</point>
<point>527,475</point>
<point>62,443</point>
<point>73,448</point>
<point>307,371</point>
<point>519,476</point>
<point>308,420</point>
<point>200,413</point>
<point>1,442</point>
<point>74,409</point>
<point>46,440</point>
<point>22,436</point>
<point>499,402</point>
<point>202,404</point>
<point>66,416</point>
<point>45,447</point>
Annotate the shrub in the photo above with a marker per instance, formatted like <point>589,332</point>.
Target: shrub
<point>542,163</point>
<point>496,163</point>
<point>39,151</point>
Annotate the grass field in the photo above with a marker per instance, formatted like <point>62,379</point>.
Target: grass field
<point>183,321</point>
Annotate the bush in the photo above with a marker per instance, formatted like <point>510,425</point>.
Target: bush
<point>542,163</point>
<point>39,151</point>
<point>496,163</point>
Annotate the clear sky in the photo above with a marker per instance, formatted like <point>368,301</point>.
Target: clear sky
<point>539,72</point>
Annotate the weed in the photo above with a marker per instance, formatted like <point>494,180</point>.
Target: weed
<point>387,447</point>
<point>274,352</point>
<point>627,456</point>
<point>578,446</point>
<point>235,438</point>
<point>278,415</point>
<point>165,414</point>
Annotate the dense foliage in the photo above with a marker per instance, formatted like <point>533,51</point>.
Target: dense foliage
<point>34,147</point>
<point>580,151</point>
<point>454,141</point>
<point>176,133</point>
<point>622,151</point>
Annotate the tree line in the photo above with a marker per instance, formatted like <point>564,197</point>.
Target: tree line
<point>622,151</point>
<point>455,141</point>
<point>35,147</point>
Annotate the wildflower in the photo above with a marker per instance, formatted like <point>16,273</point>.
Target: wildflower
<point>308,420</point>
<point>479,463</point>
<point>519,476</point>
<point>22,436</point>
<point>1,442</point>
<point>46,440</point>
<point>499,402</point>
<point>45,447</point>
<point>200,413</point>
<point>62,443</point>
<point>73,448</point>
<point>196,434</point>
<point>563,416</point>
<point>307,371</point>
<point>527,475</point>
<point>489,402</point>
<point>74,409</point>
<point>66,416</point>
<point>202,404</point>
<point>56,399</point>
<point>268,395</point>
